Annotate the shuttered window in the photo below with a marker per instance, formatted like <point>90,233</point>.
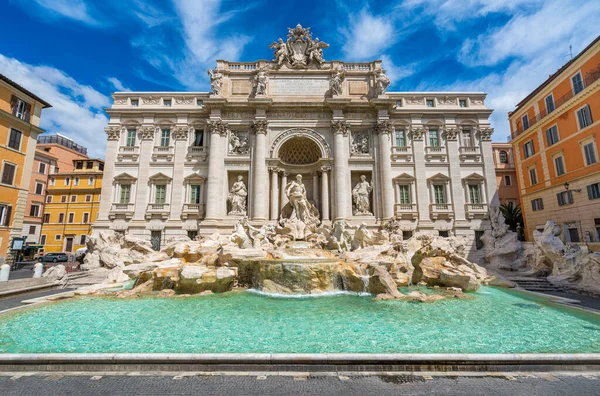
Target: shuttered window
<point>14,140</point>
<point>560,166</point>
<point>5,211</point>
<point>584,116</point>
<point>593,191</point>
<point>8,173</point>
<point>20,108</point>
<point>590,153</point>
<point>400,138</point>
<point>549,104</point>
<point>130,138</point>
<point>434,138</point>
<point>165,136</point>
<point>537,204</point>
<point>565,198</point>
<point>577,83</point>
<point>552,135</point>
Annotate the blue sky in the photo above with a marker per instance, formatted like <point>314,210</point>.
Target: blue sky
<point>75,53</point>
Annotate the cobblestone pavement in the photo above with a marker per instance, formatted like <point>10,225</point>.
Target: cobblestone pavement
<point>541,384</point>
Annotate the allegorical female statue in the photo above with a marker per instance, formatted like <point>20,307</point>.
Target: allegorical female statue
<point>237,197</point>
<point>360,196</point>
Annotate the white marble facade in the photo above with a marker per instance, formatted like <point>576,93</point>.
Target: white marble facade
<point>173,158</point>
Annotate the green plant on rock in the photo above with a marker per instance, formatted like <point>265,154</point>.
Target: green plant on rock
<point>512,215</point>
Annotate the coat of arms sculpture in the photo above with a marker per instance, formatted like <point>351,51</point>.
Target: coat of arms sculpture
<point>300,50</point>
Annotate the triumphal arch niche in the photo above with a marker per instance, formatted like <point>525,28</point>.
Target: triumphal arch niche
<point>297,138</point>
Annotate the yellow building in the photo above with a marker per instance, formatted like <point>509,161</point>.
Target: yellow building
<point>20,112</point>
<point>72,200</point>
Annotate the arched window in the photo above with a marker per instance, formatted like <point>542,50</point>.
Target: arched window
<point>503,157</point>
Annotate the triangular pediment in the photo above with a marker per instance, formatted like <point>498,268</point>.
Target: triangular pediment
<point>159,177</point>
<point>404,177</point>
<point>438,177</point>
<point>194,178</point>
<point>124,177</point>
<point>474,177</point>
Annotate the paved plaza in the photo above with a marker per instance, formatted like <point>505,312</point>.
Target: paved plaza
<point>542,384</point>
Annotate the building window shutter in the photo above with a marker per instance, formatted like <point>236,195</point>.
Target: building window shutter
<point>13,105</point>
<point>7,217</point>
<point>27,114</point>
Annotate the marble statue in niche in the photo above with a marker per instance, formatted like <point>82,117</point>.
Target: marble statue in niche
<point>298,217</point>
<point>237,197</point>
<point>260,81</point>
<point>360,197</point>
<point>337,79</point>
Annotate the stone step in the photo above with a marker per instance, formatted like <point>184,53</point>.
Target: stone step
<point>535,284</point>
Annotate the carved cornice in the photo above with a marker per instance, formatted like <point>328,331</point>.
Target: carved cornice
<point>486,133</point>
<point>260,126</point>
<point>217,127</point>
<point>146,132</point>
<point>451,133</point>
<point>113,132</point>
<point>180,132</point>
<point>417,133</point>
<point>340,127</point>
<point>383,127</point>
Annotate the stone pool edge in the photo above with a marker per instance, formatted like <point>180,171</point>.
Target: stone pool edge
<point>289,362</point>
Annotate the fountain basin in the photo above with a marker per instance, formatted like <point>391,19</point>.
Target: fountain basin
<point>496,321</point>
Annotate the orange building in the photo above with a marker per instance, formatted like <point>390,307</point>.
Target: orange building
<point>506,173</point>
<point>44,164</point>
<point>555,135</point>
<point>20,112</point>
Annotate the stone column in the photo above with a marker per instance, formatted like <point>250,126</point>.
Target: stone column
<point>108,192</point>
<point>216,165</point>
<point>325,192</point>
<point>178,191</point>
<point>274,193</point>
<point>385,129</point>
<point>485,138</point>
<point>259,181</point>
<point>456,186</point>
<point>146,135</point>
<point>315,188</point>
<point>284,198</point>
<point>340,167</point>
<point>422,192</point>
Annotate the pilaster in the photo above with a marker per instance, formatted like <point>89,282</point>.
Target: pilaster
<point>259,165</point>
<point>384,130</point>
<point>422,192</point>
<point>180,135</point>
<point>216,164</point>
<point>340,167</point>
<point>458,193</point>
<point>146,135</point>
<point>485,138</point>
<point>113,133</point>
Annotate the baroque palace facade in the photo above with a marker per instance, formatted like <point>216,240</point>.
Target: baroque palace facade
<point>193,163</point>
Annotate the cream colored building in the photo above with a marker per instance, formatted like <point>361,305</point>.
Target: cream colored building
<point>173,157</point>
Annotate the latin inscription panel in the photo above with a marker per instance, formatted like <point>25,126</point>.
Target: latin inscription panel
<point>298,86</point>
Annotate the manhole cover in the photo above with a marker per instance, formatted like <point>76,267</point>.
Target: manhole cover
<point>401,379</point>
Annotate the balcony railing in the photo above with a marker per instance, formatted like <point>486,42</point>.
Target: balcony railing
<point>401,150</point>
<point>129,149</point>
<point>469,150</point>
<point>116,207</point>
<point>441,210</point>
<point>587,81</point>
<point>192,210</point>
<point>162,152</point>
<point>158,207</point>
<point>406,207</point>
<point>473,210</point>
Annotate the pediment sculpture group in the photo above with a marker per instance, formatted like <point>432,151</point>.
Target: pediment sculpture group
<point>300,51</point>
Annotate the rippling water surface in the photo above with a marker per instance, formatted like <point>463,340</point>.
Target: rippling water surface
<point>496,321</point>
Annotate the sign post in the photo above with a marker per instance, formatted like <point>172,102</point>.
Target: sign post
<point>17,246</point>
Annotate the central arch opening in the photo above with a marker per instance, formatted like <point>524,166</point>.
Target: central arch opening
<point>299,150</point>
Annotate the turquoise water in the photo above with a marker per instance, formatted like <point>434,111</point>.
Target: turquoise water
<point>496,321</point>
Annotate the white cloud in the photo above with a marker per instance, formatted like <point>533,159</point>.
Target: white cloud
<point>117,84</point>
<point>397,73</point>
<point>528,35</point>
<point>77,109</point>
<point>201,22</point>
<point>72,9</point>
<point>368,36</point>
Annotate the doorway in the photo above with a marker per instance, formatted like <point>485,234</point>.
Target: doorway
<point>69,244</point>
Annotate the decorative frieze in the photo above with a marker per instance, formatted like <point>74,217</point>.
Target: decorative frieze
<point>486,133</point>
<point>360,143</point>
<point>180,132</point>
<point>113,132</point>
<point>260,126</point>
<point>338,126</point>
<point>146,132</point>
<point>150,100</point>
<point>451,133</point>
<point>383,127</point>
<point>218,127</point>
<point>417,133</point>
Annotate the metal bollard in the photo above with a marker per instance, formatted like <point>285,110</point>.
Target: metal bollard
<point>4,272</point>
<point>38,269</point>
